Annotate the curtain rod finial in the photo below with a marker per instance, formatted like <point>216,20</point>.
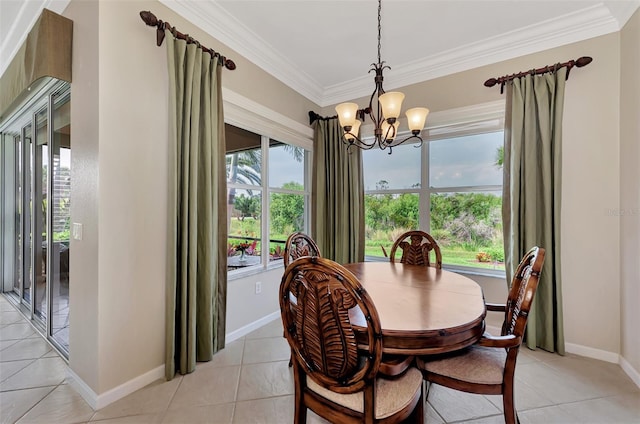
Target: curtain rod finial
<point>149,18</point>
<point>583,61</point>
<point>490,82</point>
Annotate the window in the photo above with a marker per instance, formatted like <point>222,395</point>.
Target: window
<point>267,192</point>
<point>451,187</point>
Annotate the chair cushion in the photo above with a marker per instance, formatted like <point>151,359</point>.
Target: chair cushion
<point>477,364</point>
<point>391,395</point>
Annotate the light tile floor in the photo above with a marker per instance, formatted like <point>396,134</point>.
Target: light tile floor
<point>249,382</point>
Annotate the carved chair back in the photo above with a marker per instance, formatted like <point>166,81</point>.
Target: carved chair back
<point>523,288</point>
<point>416,249</point>
<point>298,245</point>
<point>318,329</point>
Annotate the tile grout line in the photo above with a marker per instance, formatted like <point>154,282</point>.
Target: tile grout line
<point>235,396</point>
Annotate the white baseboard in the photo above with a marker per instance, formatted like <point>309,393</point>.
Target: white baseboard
<point>606,356</point>
<point>82,388</point>
<point>633,374</point>
<point>100,401</point>
<point>589,352</point>
<point>593,353</point>
<point>243,331</point>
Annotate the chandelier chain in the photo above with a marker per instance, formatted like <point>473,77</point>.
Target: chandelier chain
<point>379,28</point>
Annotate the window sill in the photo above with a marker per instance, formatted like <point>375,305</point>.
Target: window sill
<point>483,272</point>
<point>238,274</point>
<point>477,271</point>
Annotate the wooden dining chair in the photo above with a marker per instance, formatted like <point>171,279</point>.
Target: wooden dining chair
<point>488,367</point>
<point>335,376</point>
<point>299,244</point>
<point>416,249</point>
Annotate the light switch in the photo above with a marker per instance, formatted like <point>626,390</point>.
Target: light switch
<point>77,231</point>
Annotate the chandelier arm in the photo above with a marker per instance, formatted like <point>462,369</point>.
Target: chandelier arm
<point>359,143</point>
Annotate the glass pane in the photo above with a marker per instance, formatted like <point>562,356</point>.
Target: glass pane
<point>27,155</point>
<point>286,217</point>
<point>386,217</point>
<point>61,204</point>
<point>286,166</point>
<point>398,170</point>
<point>468,228</point>
<point>466,161</point>
<point>245,167</point>
<point>245,227</point>
<point>40,207</point>
<point>17,282</point>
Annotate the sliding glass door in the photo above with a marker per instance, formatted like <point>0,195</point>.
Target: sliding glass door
<point>36,182</point>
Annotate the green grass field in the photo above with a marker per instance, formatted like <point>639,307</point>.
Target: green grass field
<point>451,255</point>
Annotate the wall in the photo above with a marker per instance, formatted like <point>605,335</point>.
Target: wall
<point>246,310</point>
<point>84,348</point>
<point>630,192</point>
<point>120,156</point>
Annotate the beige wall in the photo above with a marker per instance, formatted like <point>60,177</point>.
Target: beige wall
<point>84,349</point>
<point>630,189</point>
<point>119,105</point>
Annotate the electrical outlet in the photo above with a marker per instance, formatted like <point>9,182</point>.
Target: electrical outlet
<point>258,287</point>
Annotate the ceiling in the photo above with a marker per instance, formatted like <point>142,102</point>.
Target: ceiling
<point>323,48</point>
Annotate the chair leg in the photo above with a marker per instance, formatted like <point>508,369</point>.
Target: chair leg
<point>418,412</point>
<point>508,404</point>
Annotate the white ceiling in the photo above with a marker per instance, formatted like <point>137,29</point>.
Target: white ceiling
<point>323,48</point>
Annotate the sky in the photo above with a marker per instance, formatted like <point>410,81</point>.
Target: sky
<point>455,162</point>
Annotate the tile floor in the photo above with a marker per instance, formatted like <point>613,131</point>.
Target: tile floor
<point>250,382</point>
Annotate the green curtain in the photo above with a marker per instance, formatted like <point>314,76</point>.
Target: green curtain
<point>532,194</point>
<point>337,195</point>
<point>196,259</point>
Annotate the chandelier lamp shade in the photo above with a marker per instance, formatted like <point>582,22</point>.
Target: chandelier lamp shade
<point>384,111</point>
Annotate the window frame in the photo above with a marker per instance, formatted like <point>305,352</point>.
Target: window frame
<point>466,121</point>
<point>242,112</point>
<point>265,191</point>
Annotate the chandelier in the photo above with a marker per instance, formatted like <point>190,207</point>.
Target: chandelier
<point>384,115</point>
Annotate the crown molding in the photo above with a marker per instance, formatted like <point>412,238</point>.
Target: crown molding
<point>216,21</point>
<point>587,23</point>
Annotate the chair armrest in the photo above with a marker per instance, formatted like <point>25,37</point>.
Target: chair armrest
<point>508,341</point>
<point>496,307</point>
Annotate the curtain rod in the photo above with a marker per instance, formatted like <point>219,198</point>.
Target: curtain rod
<point>151,20</point>
<point>315,117</point>
<point>583,61</point>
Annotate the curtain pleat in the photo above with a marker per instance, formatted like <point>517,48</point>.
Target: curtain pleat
<point>532,195</point>
<point>337,195</point>
<point>196,269</point>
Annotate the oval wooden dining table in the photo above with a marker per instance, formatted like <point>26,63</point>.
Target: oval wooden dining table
<point>423,310</point>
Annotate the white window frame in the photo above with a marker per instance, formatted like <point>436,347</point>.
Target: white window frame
<point>251,116</point>
<point>477,119</point>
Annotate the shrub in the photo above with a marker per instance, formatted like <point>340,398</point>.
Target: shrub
<point>483,257</point>
<point>496,254</point>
